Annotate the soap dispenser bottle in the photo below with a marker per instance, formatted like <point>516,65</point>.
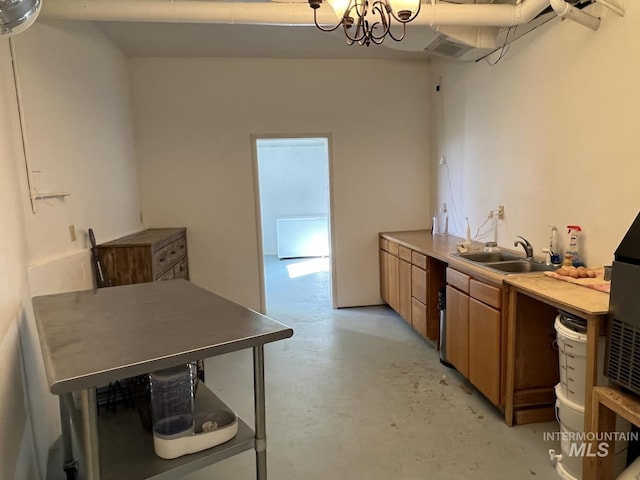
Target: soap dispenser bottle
<point>554,250</point>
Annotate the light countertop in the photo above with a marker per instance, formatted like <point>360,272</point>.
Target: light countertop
<point>563,294</point>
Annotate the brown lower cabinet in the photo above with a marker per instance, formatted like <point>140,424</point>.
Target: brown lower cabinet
<point>419,317</point>
<point>457,321</point>
<point>474,332</point>
<point>384,275</point>
<point>484,349</point>
<point>404,290</point>
<point>409,283</point>
<point>393,281</point>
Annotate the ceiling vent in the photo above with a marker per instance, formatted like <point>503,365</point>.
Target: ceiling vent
<point>447,47</point>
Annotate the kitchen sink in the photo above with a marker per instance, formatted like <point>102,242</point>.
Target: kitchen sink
<point>520,266</point>
<point>488,257</point>
<point>503,262</point>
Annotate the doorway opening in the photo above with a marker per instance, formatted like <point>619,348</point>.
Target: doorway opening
<point>293,195</point>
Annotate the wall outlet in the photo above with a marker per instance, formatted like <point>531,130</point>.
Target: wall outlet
<point>443,160</point>
<point>72,233</point>
<point>500,212</point>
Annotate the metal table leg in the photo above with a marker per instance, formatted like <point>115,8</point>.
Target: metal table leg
<point>70,465</point>
<point>260,427</point>
<point>90,433</point>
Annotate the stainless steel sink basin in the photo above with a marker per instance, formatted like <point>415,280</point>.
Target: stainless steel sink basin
<point>503,262</point>
<point>488,257</point>
<point>519,266</point>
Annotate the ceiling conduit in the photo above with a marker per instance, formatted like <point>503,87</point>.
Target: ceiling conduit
<point>299,14</point>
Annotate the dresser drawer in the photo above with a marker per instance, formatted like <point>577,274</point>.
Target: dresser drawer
<point>393,248</point>
<point>181,269</point>
<point>167,255</point>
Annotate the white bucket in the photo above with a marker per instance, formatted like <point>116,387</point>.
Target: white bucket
<point>571,418</point>
<point>632,472</point>
<point>572,351</point>
<point>570,415</point>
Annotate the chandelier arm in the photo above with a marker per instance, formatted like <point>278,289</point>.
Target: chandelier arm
<point>362,27</point>
<point>398,39</point>
<point>384,21</point>
<point>331,29</point>
<point>360,8</point>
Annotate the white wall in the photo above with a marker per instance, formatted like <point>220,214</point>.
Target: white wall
<point>294,181</point>
<point>550,132</point>
<point>17,452</point>
<point>194,120</point>
<point>75,94</point>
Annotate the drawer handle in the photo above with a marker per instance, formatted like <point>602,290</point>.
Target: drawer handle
<point>162,260</point>
<point>173,252</point>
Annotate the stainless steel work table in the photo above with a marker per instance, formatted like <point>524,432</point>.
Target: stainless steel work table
<point>93,337</point>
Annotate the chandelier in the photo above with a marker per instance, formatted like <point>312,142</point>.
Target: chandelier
<point>364,23</point>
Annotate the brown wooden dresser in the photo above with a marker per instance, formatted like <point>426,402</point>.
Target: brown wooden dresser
<point>147,256</point>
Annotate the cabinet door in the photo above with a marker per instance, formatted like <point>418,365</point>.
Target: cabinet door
<point>484,349</point>
<point>384,276</point>
<point>392,268</point>
<point>457,321</point>
<point>419,317</point>
<point>419,284</point>
<point>404,290</point>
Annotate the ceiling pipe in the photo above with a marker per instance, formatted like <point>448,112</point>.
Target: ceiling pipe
<point>288,14</point>
<point>564,10</point>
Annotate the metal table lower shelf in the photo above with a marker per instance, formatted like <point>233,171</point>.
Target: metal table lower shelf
<point>93,337</point>
<point>126,448</point>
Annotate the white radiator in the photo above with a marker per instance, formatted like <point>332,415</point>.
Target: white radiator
<point>302,236</point>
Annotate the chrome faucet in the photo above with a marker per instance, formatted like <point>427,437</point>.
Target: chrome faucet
<point>526,245</point>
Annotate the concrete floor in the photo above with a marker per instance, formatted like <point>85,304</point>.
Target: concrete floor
<point>355,394</point>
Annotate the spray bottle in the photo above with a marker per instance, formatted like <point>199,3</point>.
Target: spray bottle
<point>571,253</point>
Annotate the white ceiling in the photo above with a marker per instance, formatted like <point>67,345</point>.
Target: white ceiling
<point>148,39</point>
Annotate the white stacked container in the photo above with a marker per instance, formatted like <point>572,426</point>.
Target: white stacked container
<point>571,338</point>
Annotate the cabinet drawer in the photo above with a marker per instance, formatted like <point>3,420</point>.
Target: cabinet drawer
<point>167,255</point>
<point>458,280</point>
<point>419,260</point>
<point>488,294</point>
<point>393,248</point>
<point>181,269</point>
<point>384,244</point>
<point>404,253</point>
